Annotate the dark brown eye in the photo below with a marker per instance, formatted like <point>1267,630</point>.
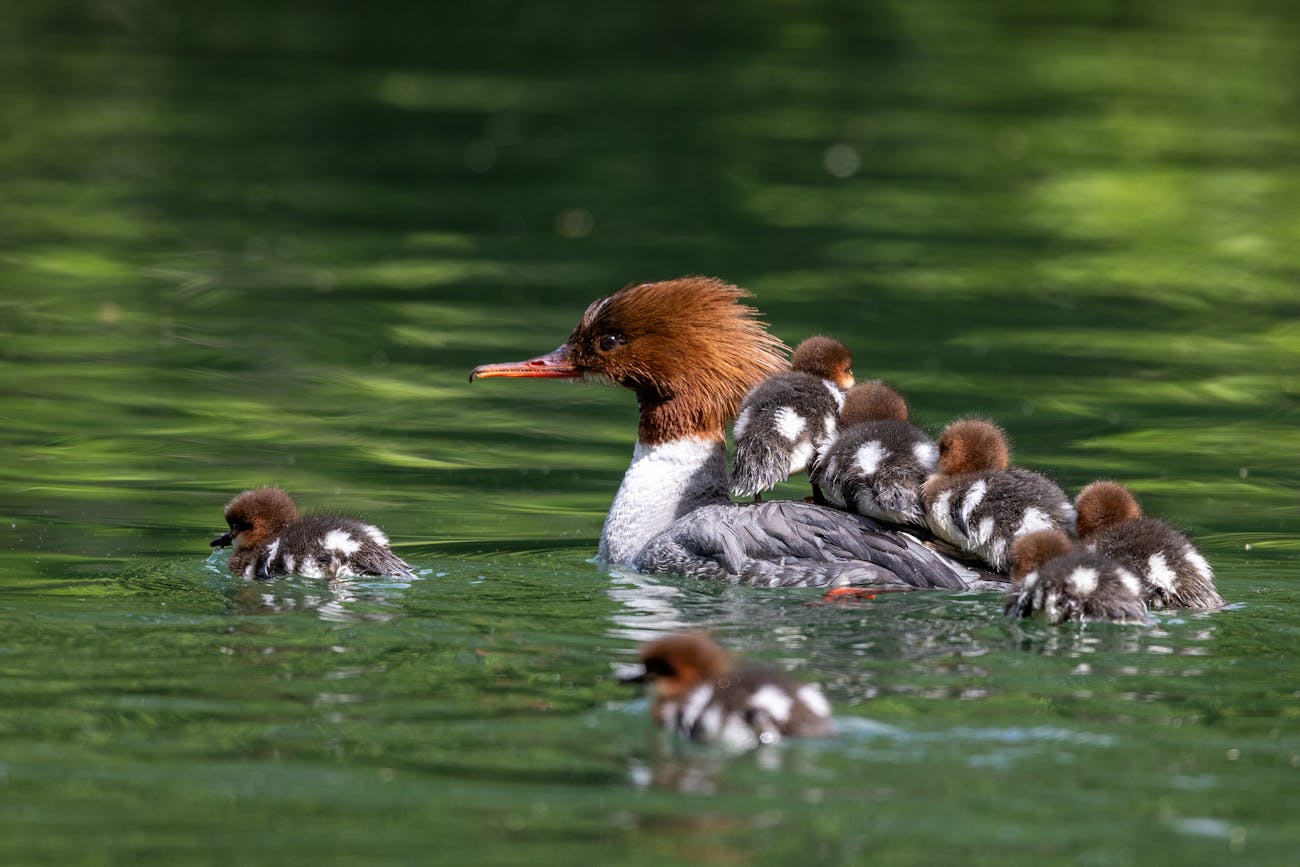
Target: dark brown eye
<point>608,342</point>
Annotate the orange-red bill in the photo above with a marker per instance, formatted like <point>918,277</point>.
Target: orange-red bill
<point>553,365</point>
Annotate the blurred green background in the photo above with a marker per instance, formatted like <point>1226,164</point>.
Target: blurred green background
<point>264,243</point>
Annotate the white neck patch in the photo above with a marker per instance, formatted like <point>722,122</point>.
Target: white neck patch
<point>663,483</point>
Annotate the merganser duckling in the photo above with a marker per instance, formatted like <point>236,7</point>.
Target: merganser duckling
<point>1053,577</point>
<point>691,351</point>
<point>270,539</point>
<point>980,503</point>
<point>698,694</point>
<point>789,416</point>
<point>1172,571</point>
<point>879,461</point>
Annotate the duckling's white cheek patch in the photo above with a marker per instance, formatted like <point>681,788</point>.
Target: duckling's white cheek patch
<point>789,423</point>
<point>339,540</point>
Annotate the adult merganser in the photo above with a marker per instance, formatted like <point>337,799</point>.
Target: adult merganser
<point>1172,571</point>
<point>978,502</point>
<point>691,351</point>
<point>788,417</point>
<point>878,462</point>
<point>270,539</point>
<point>1060,581</point>
<point>702,697</point>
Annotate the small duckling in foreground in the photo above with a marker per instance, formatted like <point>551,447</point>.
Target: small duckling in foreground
<point>1172,571</point>
<point>1062,582</point>
<point>978,502</point>
<point>699,694</point>
<point>878,462</point>
<point>788,416</point>
<point>270,539</point>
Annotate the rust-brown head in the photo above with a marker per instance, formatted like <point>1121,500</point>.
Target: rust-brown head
<point>825,357</point>
<point>1102,505</point>
<point>255,517</point>
<point>679,663</point>
<point>972,445</point>
<point>688,347</point>
<point>1032,551</point>
<point>872,401</point>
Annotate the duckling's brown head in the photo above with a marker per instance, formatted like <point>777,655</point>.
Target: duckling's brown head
<point>972,445</point>
<point>679,663</point>
<point>255,517</point>
<point>1102,505</point>
<point>825,357</point>
<point>1032,551</point>
<point>872,401</point>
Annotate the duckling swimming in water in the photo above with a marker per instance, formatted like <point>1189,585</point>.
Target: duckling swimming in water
<point>1172,571</point>
<point>699,694</point>
<point>270,539</point>
<point>1053,577</point>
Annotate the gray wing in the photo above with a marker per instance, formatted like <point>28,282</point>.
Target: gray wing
<point>793,544</point>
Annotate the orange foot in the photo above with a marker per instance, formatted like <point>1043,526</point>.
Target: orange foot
<point>853,595</point>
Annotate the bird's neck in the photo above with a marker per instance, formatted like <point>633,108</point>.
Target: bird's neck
<point>667,479</point>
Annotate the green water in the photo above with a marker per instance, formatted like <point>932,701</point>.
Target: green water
<point>255,244</point>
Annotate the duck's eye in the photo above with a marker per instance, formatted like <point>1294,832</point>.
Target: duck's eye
<point>608,342</point>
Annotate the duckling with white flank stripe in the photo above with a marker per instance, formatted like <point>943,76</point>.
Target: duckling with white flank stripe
<point>976,501</point>
<point>270,539</point>
<point>701,696</point>
<point>879,461</point>
<point>787,417</point>
<point>1173,572</point>
<point>1054,578</point>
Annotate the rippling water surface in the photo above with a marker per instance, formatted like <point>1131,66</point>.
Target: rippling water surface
<point>250,244</point>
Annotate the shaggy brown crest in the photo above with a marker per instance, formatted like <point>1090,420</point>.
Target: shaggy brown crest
<point>1102,505</point>
<point>256,516</point>
<point>872,401</point>
<point>972,445</point>
<point>677,664</point>
<point>688,347</point>
<point>825,357</point>
<point>1032,551</point>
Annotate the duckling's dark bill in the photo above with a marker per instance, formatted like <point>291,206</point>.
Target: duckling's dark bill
<point>553,365</point>
<point>225,540</point>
